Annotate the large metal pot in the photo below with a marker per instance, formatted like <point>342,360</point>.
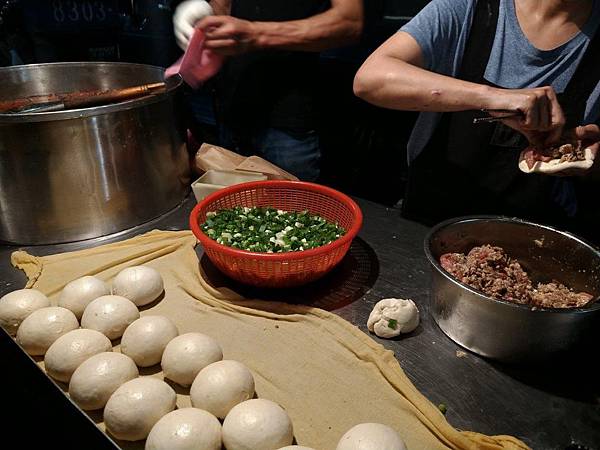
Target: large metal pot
<point>78,174</point>
<point>503,330</point>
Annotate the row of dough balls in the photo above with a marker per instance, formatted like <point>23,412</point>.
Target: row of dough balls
<point>136,408</point>
<point>139,284</point>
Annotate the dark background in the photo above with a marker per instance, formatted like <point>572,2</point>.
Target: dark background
<point>363,147</point>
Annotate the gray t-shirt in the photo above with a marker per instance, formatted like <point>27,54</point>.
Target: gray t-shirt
<point>442,28</point>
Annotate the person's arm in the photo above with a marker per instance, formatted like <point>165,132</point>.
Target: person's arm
<point>393,77</point>
<point>340,25</point>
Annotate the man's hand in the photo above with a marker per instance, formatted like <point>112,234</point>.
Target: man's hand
<point>543,118</point>
<point>186,15</point>
<point>228,35</point>
<point>589,135</point>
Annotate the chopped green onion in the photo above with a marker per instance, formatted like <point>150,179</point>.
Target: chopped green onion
<point>270,230</point>
<point>392,323</point>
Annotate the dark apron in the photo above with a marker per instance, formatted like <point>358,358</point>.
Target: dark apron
<point>473,169</point>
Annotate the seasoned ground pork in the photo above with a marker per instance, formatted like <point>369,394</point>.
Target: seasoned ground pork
<point>490,270</point>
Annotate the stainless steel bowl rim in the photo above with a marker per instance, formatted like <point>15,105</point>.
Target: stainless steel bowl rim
<point>78,113</point>
<point>435,263</point>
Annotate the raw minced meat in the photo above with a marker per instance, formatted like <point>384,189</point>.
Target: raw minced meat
<point>490,270</point>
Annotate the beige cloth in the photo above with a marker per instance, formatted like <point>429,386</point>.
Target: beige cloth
<point>324,371</point>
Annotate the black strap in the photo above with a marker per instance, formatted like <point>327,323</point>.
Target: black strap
<point>478,50</point>
<point>582,83</point>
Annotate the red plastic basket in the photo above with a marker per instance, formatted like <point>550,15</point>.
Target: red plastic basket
<point>279,269</point>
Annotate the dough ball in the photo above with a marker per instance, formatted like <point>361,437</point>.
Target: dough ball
<point>71,349</point>
<point>257,424</point>
<point>140,284</point>
<point>145,339</point>
<point>95,380</point>
<point>188,354</point>
<point>77,294</point>
<point>42,327</point>
<point>392,316</point>
<point>110,315</point>
<point>17,305</point>
<point>371,436</point>
<point>185,429</point>
<point>136,406</point>
<point>296,447</point>
<point>220,386</point>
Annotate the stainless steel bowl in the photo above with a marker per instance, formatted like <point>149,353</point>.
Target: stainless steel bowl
<point>83,173</point>
<point>507,331</point>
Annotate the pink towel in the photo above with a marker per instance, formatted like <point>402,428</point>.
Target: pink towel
<point>197,64</point>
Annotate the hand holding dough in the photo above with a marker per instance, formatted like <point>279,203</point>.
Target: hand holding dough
<point>17,305</point>
<point>392,316</point>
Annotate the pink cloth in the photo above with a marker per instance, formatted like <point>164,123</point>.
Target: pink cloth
<point>197,64</point>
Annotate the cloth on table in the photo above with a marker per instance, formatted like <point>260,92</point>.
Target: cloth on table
<point>324,371</point>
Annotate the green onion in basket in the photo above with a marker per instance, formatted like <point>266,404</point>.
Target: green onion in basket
<point>269,230</point>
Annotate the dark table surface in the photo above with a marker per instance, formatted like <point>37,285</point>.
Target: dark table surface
<point>551,406</point>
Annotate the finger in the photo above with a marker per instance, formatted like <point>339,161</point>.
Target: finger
<point>221,44</point>
<point>557,118</point>
<point>545,113</point>
<point>532,116</point>
<point>218,33</point>
<point>589,132</point>
<point>210,21</point>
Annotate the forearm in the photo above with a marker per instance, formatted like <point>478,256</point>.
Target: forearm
<point>320,32</point>
<point>396,84</point>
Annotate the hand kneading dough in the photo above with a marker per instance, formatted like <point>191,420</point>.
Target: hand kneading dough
<point>392,316</point>
<point>41,328</point>
<point>185,429</point>
<point>188,354</point>
<point>17,305</point>
<point>371,436</point>
<point>77,294</point>
<point>140,284</point>
<point>71,349</point>
<point>95,380</point>
<point>136,406</point>
<point>220,386</point>
<point>145,339</point>
<point>110,315</point>
<point>257,424</point>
